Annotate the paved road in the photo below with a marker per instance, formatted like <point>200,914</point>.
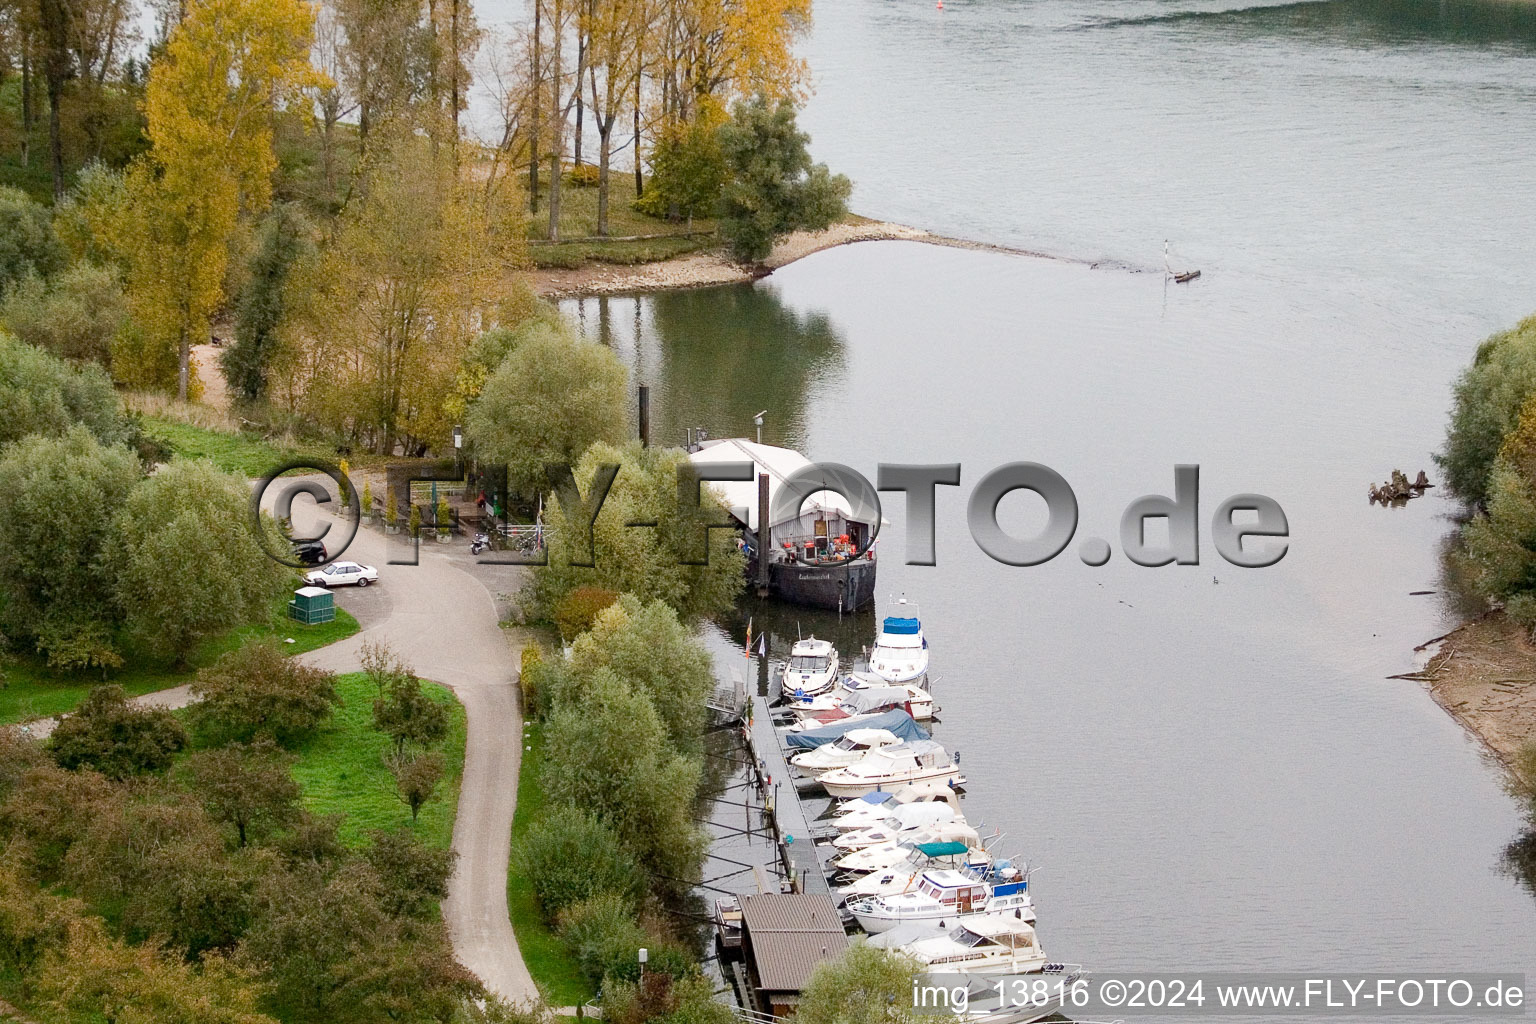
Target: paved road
<point>441,618</point>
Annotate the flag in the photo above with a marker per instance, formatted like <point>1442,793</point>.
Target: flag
<point>747,652</point>
<point>762,645</point>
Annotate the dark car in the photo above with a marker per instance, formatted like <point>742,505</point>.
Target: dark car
<point>310,552</point>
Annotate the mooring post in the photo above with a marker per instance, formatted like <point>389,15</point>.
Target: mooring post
<point>764,535</point>
<point>645,415</point>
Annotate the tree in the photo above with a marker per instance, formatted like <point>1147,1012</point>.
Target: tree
<point>866,985</point>
<point>413,274</point>
<point>416,779</point>
<point>648,647</point>
<point>648,562</point>
<point>406,713</point>
<point>608,753</point>
<point>249,787</point>
<point>773,187</point>
<point>109,735</point>
<point>617,30</point>
<point>1486,402</point>
<point>257,691</point>
<point>186,563</point>
<point>548,402</point>
<point>209,110</point>
<point>52,566</point>
<point>384,59</point>
<point>28,244</point>
<point>41,394</point>
<point>687,167</point>
<point>74,315</point>
<point>415,876</point>
<point>282,242</point>
<point>572,856</point>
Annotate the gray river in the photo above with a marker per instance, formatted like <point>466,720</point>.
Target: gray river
<point>1208,763</point>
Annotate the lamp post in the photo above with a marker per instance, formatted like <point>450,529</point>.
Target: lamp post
<point>645,955</point>
<point>758,419</point>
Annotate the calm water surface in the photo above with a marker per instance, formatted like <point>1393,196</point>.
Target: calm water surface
<point>1208,763</point>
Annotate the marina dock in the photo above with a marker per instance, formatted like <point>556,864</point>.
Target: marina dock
<point>787,815</point>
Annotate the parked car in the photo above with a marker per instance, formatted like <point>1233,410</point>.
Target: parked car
<point>310,552</point>
<point>341,574</point>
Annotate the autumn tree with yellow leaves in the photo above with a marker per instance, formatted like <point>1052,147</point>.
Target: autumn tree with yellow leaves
<point>209,104</point>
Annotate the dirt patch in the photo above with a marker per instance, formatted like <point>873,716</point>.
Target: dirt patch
<point>1484,673</point>
<point>700,269</point>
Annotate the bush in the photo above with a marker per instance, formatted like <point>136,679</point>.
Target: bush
<point>602,934</point>
<point>41,394</point>
<point>27,242</point>
<point>576,611</point>
<point>108,735</point>
<point>415,876</point>
<point>583,176</point>
<point>75,315</point>
<point>258,691</point>
<point>571,856</point>
<point>1486,404</point>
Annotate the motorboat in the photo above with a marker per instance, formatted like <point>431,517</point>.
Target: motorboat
<point>982,944</point>
<point>900,653</point>
<point>845,750</point>
<point>887,855</point>
<point>920,857</point>
<point>873,807</point>
<point>811,669</point>
<point>862,694</point>
<point>946,896</point>
<point>897,825</point>
<point>887,767</point>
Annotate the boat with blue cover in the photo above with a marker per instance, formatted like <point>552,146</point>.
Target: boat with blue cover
<point>900,653</point>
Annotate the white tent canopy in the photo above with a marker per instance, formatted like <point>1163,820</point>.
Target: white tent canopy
<point>740,496</point>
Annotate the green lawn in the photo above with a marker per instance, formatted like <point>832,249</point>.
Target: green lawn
<point>31,690</point>
<point>578,222</point>
<point>554,970</point>
<point>246,454</point>
<point>341,770</point>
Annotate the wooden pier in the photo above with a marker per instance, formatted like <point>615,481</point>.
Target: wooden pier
<point>786,813</point>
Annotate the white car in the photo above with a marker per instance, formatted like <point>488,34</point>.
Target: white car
<point>341,574</point>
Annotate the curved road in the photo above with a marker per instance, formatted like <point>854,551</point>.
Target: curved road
<point>440,618</point>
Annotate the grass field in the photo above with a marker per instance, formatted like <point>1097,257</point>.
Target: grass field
<point>578,222</point>
<point>341,770</point>
<point>245,454</point>
<point>31,690</point>
<point>553,968</point>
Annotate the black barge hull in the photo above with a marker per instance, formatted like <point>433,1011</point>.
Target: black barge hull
<point>849,587</point>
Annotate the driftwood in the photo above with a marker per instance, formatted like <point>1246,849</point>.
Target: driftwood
<point>1398,490</point>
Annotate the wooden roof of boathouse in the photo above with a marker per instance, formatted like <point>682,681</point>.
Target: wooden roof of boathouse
<point>787,934</point>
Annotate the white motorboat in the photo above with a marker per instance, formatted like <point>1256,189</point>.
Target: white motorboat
<point>873,807</point>
<point>861,694</point>
<point>888,767</point>
<point>887,855</point>
<point>983,944</point>
<point>945,896</point>
<point>897,825</point>
<point>845,750</point>
<point>900,653</point>
<point>811,669</point>
<point>905,875</point>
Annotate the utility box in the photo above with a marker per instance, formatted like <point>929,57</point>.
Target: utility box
<point>311,605</point>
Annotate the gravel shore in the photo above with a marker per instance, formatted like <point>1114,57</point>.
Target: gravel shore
<point>697,270</point>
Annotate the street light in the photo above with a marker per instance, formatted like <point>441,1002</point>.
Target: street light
<point>758,419</point>
<point>645,955</point>
<point>458,437</point>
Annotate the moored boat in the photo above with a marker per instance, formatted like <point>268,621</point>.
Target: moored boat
<point>873,807</point>
<point>886,855</point>
<point>860,694</point>
<point>845,750</point>
<point>985,944</point>
<point>907,763</point>
<point>897,825</point>
<point>946,896</point>
<point>900,653</point>
<point>811,668</point>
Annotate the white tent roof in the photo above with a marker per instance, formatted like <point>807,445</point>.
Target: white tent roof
<point>779,463</point>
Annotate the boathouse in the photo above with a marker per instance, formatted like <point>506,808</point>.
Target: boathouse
<point>784,937</point>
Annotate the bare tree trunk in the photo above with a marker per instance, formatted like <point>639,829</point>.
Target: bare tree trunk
<point>28,115</point>
<point>604,135</point>
<point>55,26</point>
<point>184,356</point>
<point>581,60</point>
<point>557,117</point>
<point>639,177</point>
<point>533,122</point>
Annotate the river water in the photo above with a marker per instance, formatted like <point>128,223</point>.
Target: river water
<point>1208,763</point>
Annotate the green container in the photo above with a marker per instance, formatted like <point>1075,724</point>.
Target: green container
<point>311,605</point>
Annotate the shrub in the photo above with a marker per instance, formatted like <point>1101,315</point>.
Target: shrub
<point>571,857</point>
<point>444,516</point>
<point>1486,404</point>
<point>27,242</point>
<point>575,612</point>
<point>75,315</point>
<point>416,779</point>
<point>415,876</point>
<point>41,394</point>
<point>583,176</point>
<point>110,736</point>
<point>601,933</point>
<point>257,690</point>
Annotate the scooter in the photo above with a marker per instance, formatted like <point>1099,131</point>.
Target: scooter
<point>479,544</point>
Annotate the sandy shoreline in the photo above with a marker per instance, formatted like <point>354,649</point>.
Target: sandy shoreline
<point>701,269</point>
<point>1483,673</point>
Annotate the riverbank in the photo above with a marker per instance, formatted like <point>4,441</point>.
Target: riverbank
<point>1484,674</point>
<point>714,267</point>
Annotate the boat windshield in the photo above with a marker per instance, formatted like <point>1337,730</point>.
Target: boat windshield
<point>808,663</point>
<point>846,743</point>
